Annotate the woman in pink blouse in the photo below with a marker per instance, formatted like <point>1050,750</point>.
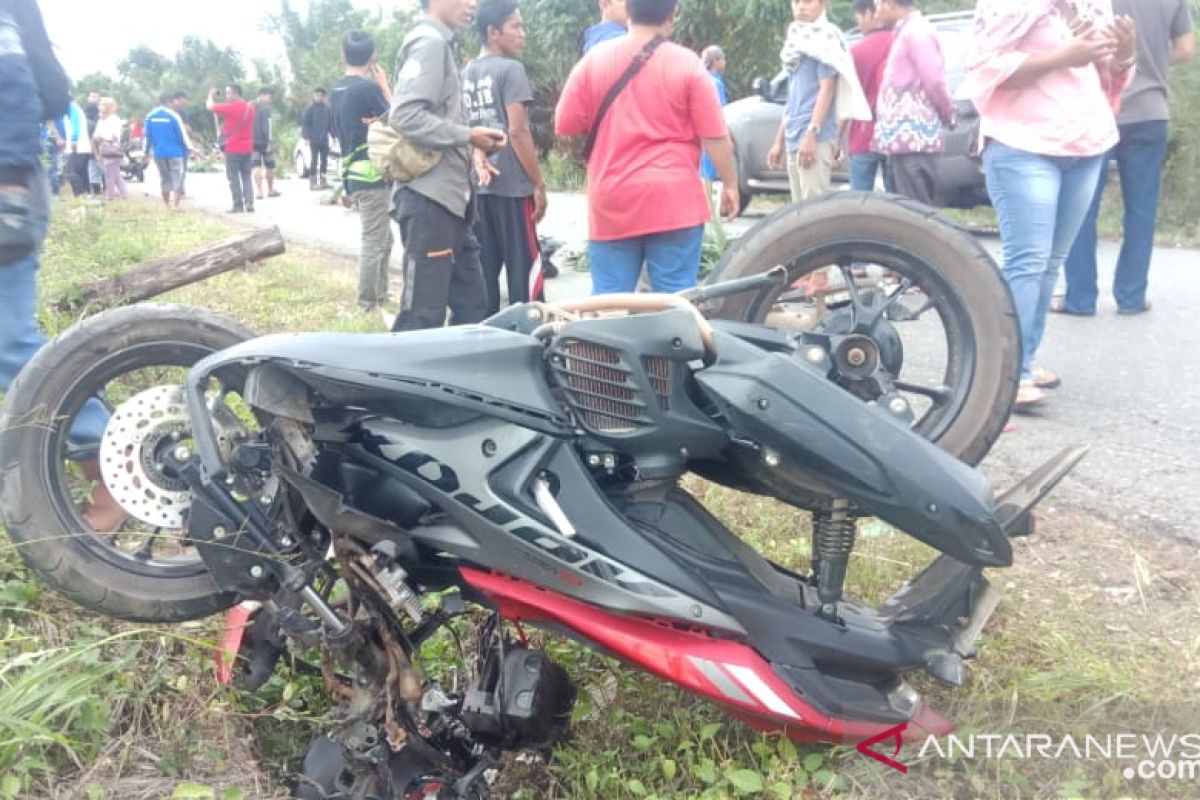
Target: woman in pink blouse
<point>1046,76</point>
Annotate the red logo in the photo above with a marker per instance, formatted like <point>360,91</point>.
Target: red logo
<point>895,734</point>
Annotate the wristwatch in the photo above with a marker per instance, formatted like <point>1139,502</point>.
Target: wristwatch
<point>814,127</point>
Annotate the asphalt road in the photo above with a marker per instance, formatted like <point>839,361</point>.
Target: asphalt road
<point>1130,384</point>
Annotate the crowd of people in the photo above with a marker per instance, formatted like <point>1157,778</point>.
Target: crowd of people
<point>1061,87</point>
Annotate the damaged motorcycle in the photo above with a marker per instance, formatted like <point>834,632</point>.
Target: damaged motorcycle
<point>356,495</point>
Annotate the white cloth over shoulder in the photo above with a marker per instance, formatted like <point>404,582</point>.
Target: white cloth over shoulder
<point>823,41</point>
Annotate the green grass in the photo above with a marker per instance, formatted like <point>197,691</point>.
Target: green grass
<point>562,172</point>
<point>1098,633</point>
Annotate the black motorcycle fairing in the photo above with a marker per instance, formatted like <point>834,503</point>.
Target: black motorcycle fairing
<point>849,666</point>
<point>508,534</point>
<point>479,370</point>
<point>599,524</point>
<point>628,381</point>
<point>856,450</point>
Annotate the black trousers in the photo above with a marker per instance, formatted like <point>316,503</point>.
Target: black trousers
<point>914,175</point>
<point>508,241</point>
<point>320,160</point>
<point>77,173</point>
<point>441,265</point>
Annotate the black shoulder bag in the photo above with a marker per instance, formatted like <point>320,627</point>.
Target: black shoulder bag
<point>639,61</point>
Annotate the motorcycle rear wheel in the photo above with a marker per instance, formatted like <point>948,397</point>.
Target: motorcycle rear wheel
<point>943,262</point>
<point>40,510</point>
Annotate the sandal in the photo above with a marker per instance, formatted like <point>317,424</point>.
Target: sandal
<point>1045,379</point>
<point>1059,306</point>
<point>1028,397</point>
<point>1142,309</point>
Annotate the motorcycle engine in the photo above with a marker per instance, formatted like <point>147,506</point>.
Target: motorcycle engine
<point>521,700</point>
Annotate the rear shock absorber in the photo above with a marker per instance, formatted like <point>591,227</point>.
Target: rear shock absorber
<point>834,531</point>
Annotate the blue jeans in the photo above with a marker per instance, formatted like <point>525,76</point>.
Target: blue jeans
<point>54,166</point>
<point>1040,203</point>
<point>1140,156</point>
<point>20,104</point>
<point>20,337</point>
<point>863,169</point>
<point>673,259</point>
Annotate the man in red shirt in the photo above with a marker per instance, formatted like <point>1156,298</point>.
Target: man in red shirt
<point>237,129</point>
<point>870,57</point>
<point>646,202</point>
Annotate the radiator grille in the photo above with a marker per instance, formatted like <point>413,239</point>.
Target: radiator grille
<point>659,370</point>
<point>599,387</point>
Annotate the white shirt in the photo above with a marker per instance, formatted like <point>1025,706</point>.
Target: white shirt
<point>109,129</point>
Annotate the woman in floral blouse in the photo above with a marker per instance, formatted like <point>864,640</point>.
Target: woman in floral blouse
<point>1046,76</point>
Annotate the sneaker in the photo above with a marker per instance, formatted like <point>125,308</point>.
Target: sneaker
<point>236,210</point>
<point>249,209</point>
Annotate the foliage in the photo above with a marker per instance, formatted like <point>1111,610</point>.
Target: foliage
<point>1181,192</point>
<point>314,44</point>
<point>145,74</point>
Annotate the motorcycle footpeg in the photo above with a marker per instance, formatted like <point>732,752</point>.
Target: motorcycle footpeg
<point>1014,507</point>
<point>947,668</point>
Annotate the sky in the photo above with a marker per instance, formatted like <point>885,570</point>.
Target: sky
<point>93,35</point>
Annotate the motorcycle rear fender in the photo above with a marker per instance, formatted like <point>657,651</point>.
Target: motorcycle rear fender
<point>828,438</point>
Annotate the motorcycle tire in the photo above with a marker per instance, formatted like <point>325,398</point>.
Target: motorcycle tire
<point>813,233</point>
<point>41,520</point>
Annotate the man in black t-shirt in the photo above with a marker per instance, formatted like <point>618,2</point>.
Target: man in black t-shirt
<point>361,96</point>
<point>316,123</point>
<point>264,147</point>
<point>512,195</point>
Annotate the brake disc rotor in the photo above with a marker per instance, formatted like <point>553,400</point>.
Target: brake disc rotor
<point>139,432</point>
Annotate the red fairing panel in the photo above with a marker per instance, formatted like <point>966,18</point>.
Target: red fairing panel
<point>724,671</point>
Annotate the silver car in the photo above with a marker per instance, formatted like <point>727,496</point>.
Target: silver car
<point>754,122</point>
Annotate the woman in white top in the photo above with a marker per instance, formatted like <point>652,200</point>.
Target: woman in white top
<point>110,153</point>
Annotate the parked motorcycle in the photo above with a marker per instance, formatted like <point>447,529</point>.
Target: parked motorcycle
<point>134,167</point>
<point>366,492</point>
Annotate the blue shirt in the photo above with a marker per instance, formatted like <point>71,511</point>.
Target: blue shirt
<point>164,134</point>
<point>803,86</point>
<point>602,32</point>
<point>77,134</point>
<point>61,124</point>
<point>708,170</point>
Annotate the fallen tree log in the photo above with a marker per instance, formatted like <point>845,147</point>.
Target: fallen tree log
<point>165,274</point>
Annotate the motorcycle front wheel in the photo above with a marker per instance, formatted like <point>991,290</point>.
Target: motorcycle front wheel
<point>140,571</point>
<point>941,313</point>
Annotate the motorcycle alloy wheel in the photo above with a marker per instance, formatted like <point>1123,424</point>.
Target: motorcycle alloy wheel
<point>905,270</point>
<point>139,572</point>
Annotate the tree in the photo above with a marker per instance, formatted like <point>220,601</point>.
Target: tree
<point>314,43</point>
<point>200,65</point>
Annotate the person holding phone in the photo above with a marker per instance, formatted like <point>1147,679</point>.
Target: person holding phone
<point>237,130</point>
<point>436,210</point>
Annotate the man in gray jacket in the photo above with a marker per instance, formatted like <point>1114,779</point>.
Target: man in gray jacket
<point>435,210</point>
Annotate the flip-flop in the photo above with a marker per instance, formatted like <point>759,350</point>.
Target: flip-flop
<point>1128,312</point>
<point>1045,379</point>
<point>1059,306</point>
